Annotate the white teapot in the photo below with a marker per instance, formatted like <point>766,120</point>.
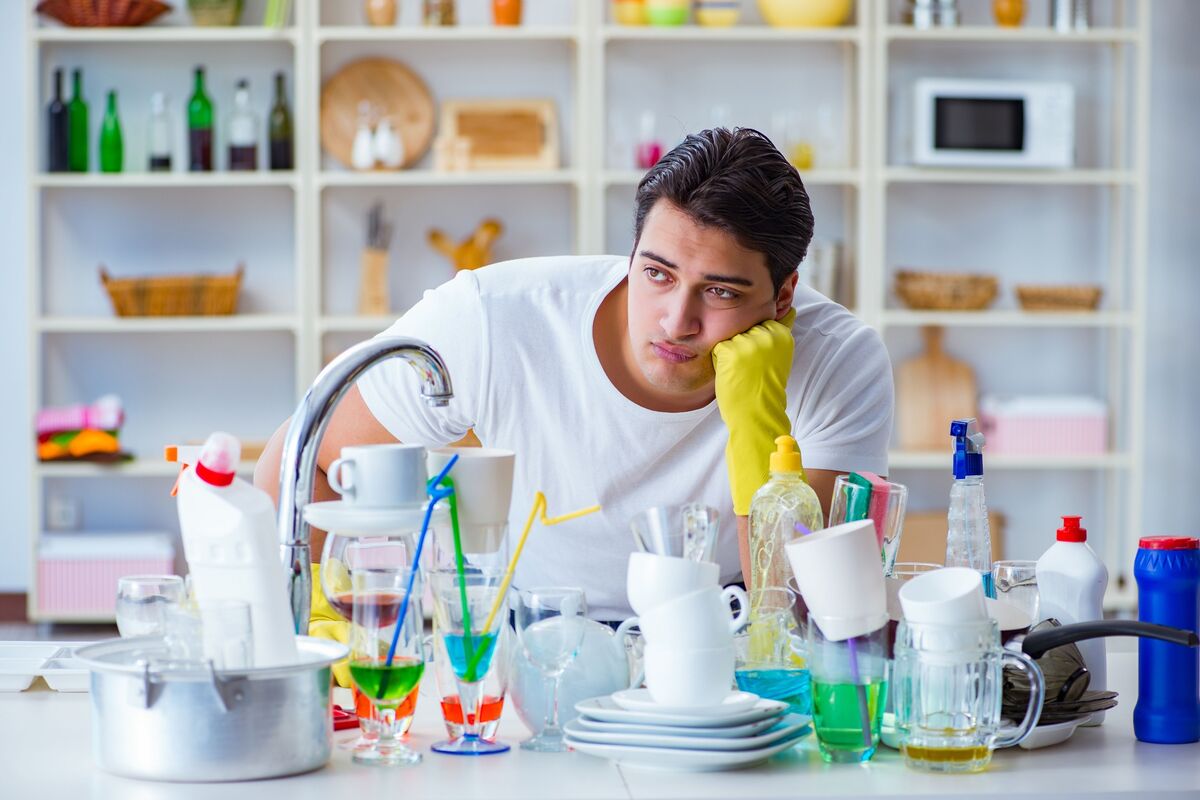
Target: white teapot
<point>602,666</point>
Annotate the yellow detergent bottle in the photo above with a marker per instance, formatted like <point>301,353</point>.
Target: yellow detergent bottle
<point>779,506</point>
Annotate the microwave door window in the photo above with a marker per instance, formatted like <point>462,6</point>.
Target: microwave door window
<point>967,123</point>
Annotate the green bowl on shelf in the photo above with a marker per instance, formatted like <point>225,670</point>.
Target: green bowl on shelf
<point>667,13</point>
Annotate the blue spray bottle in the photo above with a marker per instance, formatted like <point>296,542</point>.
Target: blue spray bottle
<point>968,540</point>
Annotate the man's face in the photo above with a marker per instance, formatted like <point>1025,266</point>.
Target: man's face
<point>691,287</point>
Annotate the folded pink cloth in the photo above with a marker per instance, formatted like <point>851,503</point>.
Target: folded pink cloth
<point>105,414</point>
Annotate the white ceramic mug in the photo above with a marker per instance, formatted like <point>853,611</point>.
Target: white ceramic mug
<point>689,678</point>
<point>483,479</point>
<point>380,475</point>
<point>653,579</point>
<point>839,573</point>
<point>948,596</point>
<point>698,620</point>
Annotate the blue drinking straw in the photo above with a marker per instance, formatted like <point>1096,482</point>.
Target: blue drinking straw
<point>436,494</point>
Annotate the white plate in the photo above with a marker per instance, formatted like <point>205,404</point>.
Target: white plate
<point>795,727</point>
<point>640,700</point>
<point>348,518</point>
<point>605,710</point>
<point>674,760</point>
<point>749,729</point>
<point>66,675</point>
<point>1047,735</point>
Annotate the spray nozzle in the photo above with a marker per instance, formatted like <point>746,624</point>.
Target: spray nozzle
<point>968,448</point>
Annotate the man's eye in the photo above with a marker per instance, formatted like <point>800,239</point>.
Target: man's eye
<point>723,294</point>
<point>655,275</point>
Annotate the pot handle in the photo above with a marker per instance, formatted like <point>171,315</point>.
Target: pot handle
<point>145,691</point>
<point>1036,644</point>
<point>1037,693</point>
<point>228,690</point>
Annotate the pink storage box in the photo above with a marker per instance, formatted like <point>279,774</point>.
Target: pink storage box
<point>78,572</point>
<point>1054,425</point>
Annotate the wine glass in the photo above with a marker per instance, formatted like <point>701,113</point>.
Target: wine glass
<point>380,617</point>
<point>550,626</point>
<point>142,601</point>
<point>346,550</point>
<point>468,620</point>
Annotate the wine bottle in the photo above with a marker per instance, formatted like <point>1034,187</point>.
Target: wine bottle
<point>280,126</point>
<point>243,131</point>
<point>77,125</point>
<point>58,157</point>
<point>158,135</point>
<point>200,127</point>
<point>112,148</point>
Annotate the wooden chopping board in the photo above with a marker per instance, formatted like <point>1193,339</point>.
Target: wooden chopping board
<point>393,90</point>
<point>931,390</point>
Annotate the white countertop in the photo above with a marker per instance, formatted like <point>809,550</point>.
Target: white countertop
<point>45,753</point>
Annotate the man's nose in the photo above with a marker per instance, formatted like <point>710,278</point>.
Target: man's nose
<point>680,319</point>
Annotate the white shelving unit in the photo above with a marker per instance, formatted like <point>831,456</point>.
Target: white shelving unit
<point>602,75</point>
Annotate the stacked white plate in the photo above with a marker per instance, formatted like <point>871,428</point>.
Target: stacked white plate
<point>632,730</point>
<point>55,662</point>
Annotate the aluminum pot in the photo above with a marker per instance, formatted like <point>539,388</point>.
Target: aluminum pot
<point>184,721</point>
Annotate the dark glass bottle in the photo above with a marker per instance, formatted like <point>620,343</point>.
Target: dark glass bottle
<point>58,156</point>
<point>200,127</point>
<point>77,124</point>
<point>112,145</point>
<point>280,127</point>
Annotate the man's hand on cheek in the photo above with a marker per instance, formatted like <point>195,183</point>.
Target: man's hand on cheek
<point>752,370</point>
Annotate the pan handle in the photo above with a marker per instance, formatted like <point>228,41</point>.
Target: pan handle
<point>1037,643</point>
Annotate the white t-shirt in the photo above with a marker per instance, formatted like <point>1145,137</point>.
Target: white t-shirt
<point>517,340</point>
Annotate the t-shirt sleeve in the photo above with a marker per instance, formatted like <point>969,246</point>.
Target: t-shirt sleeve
<point>843,421</point>
<point>451,320</point>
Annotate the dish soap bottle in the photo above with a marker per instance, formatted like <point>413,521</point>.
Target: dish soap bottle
<point>1071,581</point>
<point>968,540</point>
<point>232,551</point>
<point>784,501</point>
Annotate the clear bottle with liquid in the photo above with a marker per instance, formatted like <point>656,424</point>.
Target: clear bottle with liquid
<point>968,538</point>
<point>243,132</point>
<point>158,135</point>
<point>784,502</point>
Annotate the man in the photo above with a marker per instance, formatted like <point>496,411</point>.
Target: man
<point>656,379</point>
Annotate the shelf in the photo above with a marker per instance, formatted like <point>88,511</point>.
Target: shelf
<point>164,180</point>
<point>734,33</point>
<point>1009,319</point>
<point>78,618</point>
<point>139,468</point>
<point>425,177</point>
<point>357,324</point>
<point>465,33</point>
<point>167,33</point>
<point>1083,177</point>
<point>816,177</point>
<point>901,459</point>
<point>210,324</point>
<point>989,33</point>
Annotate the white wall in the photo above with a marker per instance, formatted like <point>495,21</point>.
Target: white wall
<point>1174,284</point>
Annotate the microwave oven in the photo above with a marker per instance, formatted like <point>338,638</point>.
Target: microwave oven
<point>985,123</point>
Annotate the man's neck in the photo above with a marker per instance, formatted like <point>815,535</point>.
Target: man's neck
<point>610,334</point>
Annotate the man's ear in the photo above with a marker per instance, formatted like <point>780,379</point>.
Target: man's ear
<point>787,293</point>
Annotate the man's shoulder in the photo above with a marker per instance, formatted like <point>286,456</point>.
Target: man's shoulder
<point>555,274</point>
<point>825,328</point>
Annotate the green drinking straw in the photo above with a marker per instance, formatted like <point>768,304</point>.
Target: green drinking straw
<point>448,482</point>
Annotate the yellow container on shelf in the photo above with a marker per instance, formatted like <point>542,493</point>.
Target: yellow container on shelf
<point>667,13</point>
<point>629,12</point>
<point>805,13</point>
<point>718,13</point>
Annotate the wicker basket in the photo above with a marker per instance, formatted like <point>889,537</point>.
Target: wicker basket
<point>174,295</point>
<point>1083,297</point>
<point>215,13</point>
<point>945,291</point>
<point>102,13</point>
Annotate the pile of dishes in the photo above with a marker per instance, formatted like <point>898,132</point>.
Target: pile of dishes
<point>632,730</point>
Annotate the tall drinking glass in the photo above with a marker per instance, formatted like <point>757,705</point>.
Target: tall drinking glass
<point>766,662</point>
<point>463,603</point>
<point>550,625</point>
<point>849,686</point>
<point>378,598</point>
<point>142,601</point>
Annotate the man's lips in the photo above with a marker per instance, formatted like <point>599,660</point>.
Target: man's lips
<point>676,355</point>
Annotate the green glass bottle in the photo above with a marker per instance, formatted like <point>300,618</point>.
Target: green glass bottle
<point>200,127</point>
<point>77,122</point>
<point>280,128</point>
<point>112,148</point>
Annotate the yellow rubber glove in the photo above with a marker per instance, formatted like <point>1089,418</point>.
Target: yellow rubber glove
<point>752,372</point>
<point>325,623</point>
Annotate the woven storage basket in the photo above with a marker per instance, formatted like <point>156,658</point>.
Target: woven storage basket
<point>102,13</point>
<point>1083,297</point>
<point>945,291</point>
<point>174,295</point>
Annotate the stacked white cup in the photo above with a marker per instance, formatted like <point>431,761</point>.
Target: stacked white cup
<point>686,622</point>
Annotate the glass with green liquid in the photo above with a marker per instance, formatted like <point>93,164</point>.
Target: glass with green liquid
<point>849,689</point>
<point>387,656</point>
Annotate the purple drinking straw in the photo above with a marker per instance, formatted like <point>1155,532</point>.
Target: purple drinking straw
<point>864,711</point>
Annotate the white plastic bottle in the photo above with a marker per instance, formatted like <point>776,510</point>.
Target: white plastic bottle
<point>232,551</point>
<point>1071,581</point>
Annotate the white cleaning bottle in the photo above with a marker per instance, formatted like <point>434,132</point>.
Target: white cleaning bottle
<point>232,550</point>
<point>1071,581</point>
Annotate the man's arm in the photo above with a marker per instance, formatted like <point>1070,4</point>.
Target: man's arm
<point>352,423</point>
<point>821,480</point>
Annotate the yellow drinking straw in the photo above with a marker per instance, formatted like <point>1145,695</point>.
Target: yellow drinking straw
<point>539,507</point>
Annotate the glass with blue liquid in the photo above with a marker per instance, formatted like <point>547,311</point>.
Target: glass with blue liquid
<point>770,661</point>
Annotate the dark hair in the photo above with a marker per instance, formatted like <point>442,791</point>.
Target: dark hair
<point>737,181</point>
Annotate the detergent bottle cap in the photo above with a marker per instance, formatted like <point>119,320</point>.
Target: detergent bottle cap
<point>968,448</point>
<point>1071,532</point>
<point>786,457</point>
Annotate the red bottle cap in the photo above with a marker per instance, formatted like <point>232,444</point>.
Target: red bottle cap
<point>1071,532</point>
<point>1169,543</point>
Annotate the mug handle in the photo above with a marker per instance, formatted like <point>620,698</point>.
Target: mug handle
<point>743,615</point>
<point>622,631</point>
<point>335,483</point>
<point>1037,692</point>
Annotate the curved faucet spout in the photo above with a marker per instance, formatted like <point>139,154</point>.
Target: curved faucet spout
<point>298,466</point>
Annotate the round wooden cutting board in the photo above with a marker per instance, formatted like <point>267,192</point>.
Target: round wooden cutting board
<point>393,90</point>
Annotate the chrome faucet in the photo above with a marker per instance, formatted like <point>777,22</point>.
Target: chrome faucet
<point>298,466</point>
